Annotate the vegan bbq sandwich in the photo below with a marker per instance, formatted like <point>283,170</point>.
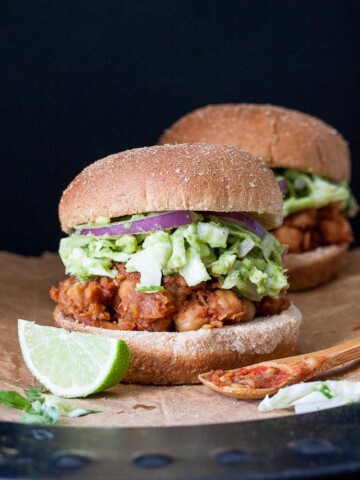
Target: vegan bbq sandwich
<point>167,249</point>
<point>311,161</point>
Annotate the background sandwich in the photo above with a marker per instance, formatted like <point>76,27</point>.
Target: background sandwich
<point>312,163</point>
<point>167,250</point>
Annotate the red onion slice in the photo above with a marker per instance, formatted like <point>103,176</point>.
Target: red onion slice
<point>148,224</point>
<point>168,220</point>
<point>282,184</point>
<point>245,220</point>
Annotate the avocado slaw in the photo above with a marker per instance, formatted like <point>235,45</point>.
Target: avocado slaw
<point>209,247</point>
<point>308,190</point>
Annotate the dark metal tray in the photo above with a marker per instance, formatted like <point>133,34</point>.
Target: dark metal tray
<point>318,445</point>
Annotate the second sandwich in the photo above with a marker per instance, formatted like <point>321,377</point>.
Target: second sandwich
<point>312,163</point>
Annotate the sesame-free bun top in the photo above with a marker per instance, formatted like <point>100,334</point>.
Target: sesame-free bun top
<point>173,177</point>
<point>280,136</point>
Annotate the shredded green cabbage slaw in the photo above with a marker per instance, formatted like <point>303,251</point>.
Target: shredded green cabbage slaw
<point>313,396</point>
<point>210,246</point>
<point>308,190</point>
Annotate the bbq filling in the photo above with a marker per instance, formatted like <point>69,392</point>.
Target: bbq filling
<point>315,210</point>
<point>185,272</point>
<point>258,377</point>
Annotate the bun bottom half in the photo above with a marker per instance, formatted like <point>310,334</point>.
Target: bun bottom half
<point>175,358</point>
<point>311,269</point>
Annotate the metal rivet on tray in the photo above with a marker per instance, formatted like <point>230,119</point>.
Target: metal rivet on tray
<point>232,457</point>
<point>152,460</point>
<point>69,461</point>
<point>42,434</point>
<point>313,446</point>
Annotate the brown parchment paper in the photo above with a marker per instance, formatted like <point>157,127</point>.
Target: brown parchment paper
<point>331,315</point>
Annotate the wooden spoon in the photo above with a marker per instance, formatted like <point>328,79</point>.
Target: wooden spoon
<point>256,381</point>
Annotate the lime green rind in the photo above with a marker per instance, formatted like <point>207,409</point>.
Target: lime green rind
<point>72,364</point>
<point>116,374</point>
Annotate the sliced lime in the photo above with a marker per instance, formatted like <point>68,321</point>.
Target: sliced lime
<point>72,364</point>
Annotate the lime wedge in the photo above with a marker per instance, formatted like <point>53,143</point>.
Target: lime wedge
<point>72,364</point>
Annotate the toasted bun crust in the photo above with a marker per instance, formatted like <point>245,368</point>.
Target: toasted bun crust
<point>281,137</point>
<point>311,269</point>
<point>166,358</point>
<point>172,177</point>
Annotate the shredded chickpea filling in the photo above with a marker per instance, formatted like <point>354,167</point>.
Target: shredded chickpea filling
<point>116,304</point>
<point>312,228</point>
<point>250,377</point>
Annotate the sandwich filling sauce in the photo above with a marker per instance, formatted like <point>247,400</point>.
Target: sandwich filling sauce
<point>312,228</point>
<point>257,377</point>
<point>116,304</point>
<point>208,274</point>
<point>315,211</point>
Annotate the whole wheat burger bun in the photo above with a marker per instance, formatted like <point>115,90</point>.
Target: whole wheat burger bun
<point>280,136</point>
<point>164,358</point>
<point>173,177</point>
<point>314,268</point>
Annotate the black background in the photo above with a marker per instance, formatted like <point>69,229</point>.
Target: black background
<point>84,79</point>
